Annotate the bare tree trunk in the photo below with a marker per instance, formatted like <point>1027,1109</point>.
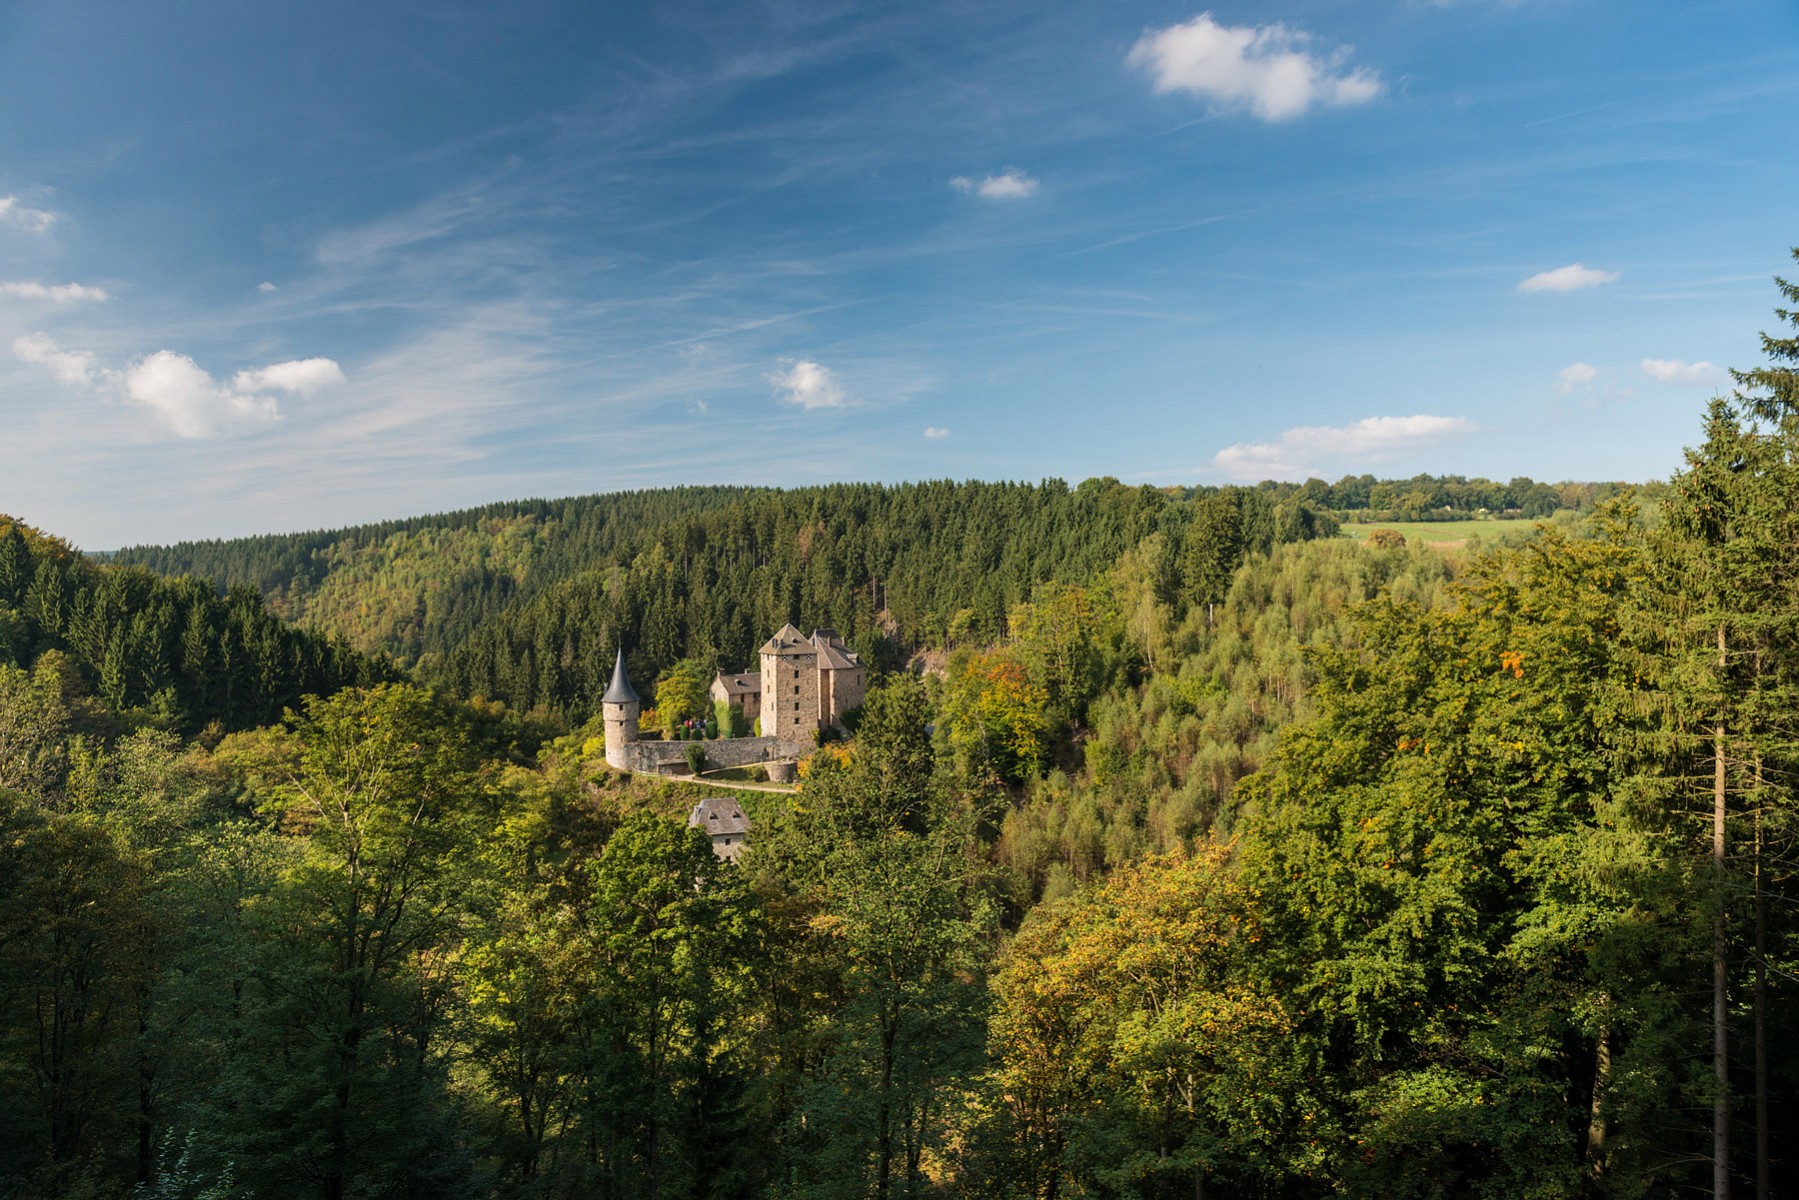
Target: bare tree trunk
<point>1720,969</point>
<point>1762,1189</point>
<point>1596,1123</point>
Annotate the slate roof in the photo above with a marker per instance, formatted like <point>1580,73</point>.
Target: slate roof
<point>620,692</point>
<point>787,640</point>
<point>719,816</point>
<point>747,684</point>
<point>833,655</point>
<point>830,658</point>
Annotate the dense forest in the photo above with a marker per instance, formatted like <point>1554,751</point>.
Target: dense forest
<point>1212,856</point>
<point>509,599</point>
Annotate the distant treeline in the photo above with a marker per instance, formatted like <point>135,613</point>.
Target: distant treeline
<point>1452,497</point>
<point>175,650</point>
<point>527,602</point>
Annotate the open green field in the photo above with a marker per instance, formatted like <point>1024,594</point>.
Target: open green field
<point>1449,533</point>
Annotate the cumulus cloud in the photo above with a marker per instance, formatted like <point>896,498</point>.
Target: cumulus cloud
<point>178,391</point>
<point>187,400</point>
<point>72,368</point>
<point>303,376</point>
<point>1268,69</point>
<point>14,211</point>
<point>56,293</point>
<point>808,385</point>
<point>1301,452</point>
<point>1009,184</point>
<point>1575,376</point>
<point>1571,278</point>
<point>1673,370</point>
<point>935,431</point>
<point>265,287</point>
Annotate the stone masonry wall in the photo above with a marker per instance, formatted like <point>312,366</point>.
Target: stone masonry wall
<point>659,757</point>
<point>790,693</point>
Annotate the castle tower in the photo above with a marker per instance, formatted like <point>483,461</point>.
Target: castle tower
<point>620,708</point>
<point>789,686</point>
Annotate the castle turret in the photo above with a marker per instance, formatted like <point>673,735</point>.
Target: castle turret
<point>620,707</point>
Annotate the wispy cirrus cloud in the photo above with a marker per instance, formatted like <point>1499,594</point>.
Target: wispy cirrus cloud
<point>1571,278</point>
<point>808,385</point>
<point>55,293</point>
<point>177,390</point>
<point>935,432</point>
<point>1009,184</point>
<point>1307,449</point>
<point>1268,69</point>
<point>14,211</point>
<point>1673,370</point>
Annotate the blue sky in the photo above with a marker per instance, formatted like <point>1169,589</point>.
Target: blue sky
<point>278,266</point>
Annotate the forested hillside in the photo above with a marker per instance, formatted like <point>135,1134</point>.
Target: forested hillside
<point>519,601</point>
<point>413,588</point>
<point>173,649</point>
<point>1217,861</point>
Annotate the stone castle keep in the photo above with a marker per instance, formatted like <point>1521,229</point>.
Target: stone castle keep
<point>805,684</point>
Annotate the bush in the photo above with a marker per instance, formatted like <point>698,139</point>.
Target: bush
<point>696,757</point>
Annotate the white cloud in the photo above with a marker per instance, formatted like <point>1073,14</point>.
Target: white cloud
<point>1009,184</point>
<point>935,431</point>
<point>808,385</point>
<point>56,293</point>
<point>303,376</point>
<point>178,390</point>
<point>1673,370</point>
<point>72,368</point>
<point>1300,452</point>
<point>1570,278</point>
<point>1267,69</point>
<point>1575,376</point>
<point>265,287</point>
<point>13,211</point>
<point>186,398</point>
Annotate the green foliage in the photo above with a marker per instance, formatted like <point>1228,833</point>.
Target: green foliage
<point>165,651</point>
<point>995,718</point>
<point>681,694</point>
<point>1133,1052</point>
<point>1240,860</point>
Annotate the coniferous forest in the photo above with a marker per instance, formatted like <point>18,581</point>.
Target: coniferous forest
<point>1183,847</point>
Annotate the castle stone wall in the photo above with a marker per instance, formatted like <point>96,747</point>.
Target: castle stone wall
<point>656,758</point>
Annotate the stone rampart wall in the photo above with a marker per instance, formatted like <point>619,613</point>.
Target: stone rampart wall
<point>659,757</point>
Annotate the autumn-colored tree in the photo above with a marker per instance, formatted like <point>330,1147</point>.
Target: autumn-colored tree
<point>1133,1052</point>
<point>995,718</point>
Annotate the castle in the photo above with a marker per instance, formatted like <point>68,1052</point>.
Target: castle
<point>806,684</point>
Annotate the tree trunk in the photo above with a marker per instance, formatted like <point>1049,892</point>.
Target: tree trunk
<point>1762,1188</point>
<point>1720,968</point>
<point>1596,1123</point>
<point>884,1131</point>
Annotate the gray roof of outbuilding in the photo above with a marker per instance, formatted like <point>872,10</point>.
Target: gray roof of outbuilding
<point>620,692</point>
<point>749,681</point>
<point>719,816</point>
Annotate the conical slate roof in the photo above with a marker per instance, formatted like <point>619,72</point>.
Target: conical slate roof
<point>620,692</point>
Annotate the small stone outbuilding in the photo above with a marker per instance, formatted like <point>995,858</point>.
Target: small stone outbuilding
<point>724,823</point>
